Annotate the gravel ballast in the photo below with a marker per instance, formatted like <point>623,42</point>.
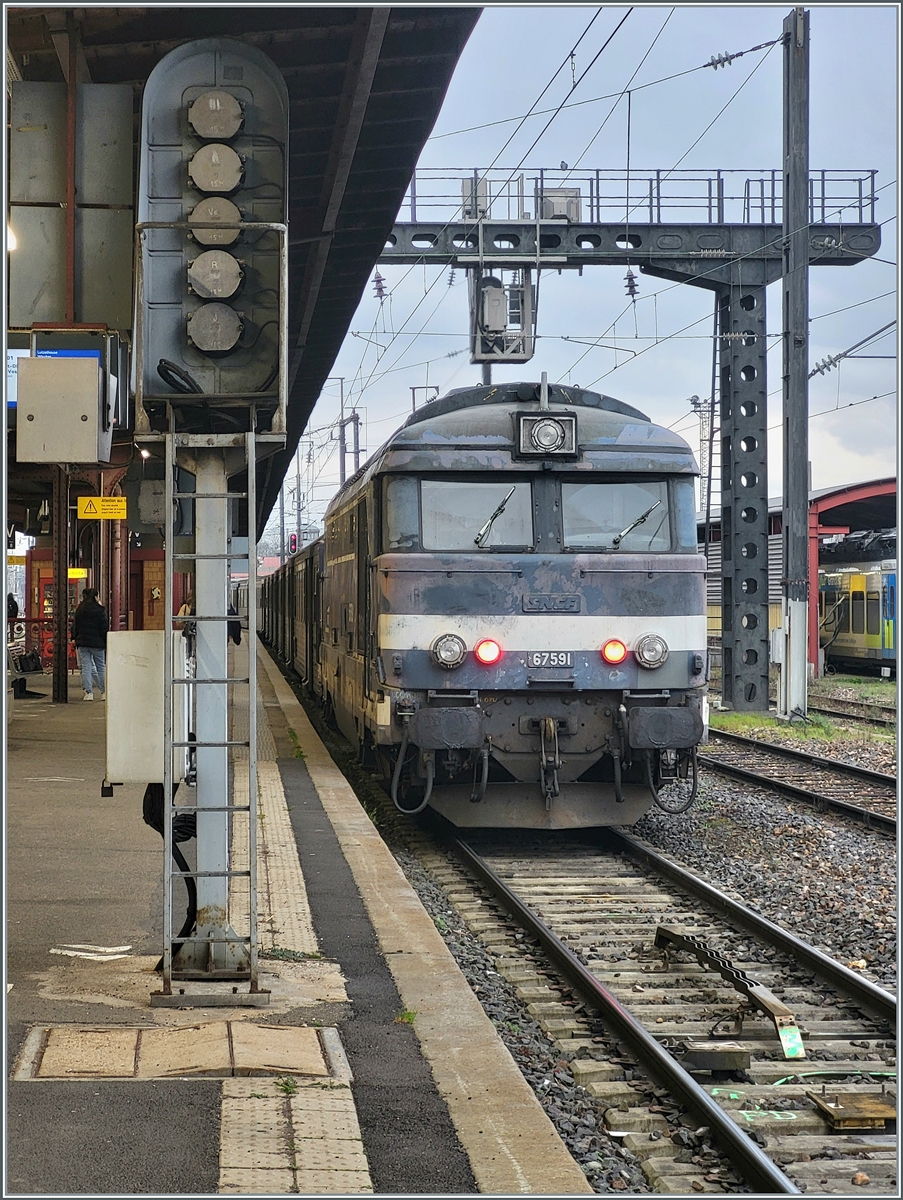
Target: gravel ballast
<point>831,883</point>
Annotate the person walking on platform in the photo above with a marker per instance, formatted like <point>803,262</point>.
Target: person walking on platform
<point>189,629</point>
<point>89,632</point>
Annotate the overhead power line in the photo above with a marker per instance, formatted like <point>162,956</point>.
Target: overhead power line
<point>826,364</point>
<point>541,112</point>
<point>516,169</point>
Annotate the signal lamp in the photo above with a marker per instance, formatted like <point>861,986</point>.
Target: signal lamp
<point>614,651</point>
<point>488,652</point>
<point>293,543</point>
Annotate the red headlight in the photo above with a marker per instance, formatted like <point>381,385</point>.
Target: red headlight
<point>614,651</point>
<point>488,652</point>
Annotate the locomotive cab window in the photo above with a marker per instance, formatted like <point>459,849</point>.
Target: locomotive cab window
<point>628,516</point>
<point>476,516</point>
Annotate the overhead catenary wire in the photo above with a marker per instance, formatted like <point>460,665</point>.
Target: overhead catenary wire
<point>666,175</point>
<point>598,99</point>
<point>620,95</point>
<point>736,259</point>
<point>551,80</point>
<point>520,163</point>
<point>674,336</point>
<point>832,361</point>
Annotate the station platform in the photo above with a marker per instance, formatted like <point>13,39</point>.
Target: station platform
<point>325,1090</point>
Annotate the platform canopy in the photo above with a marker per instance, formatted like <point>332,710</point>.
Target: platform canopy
<point>365,88</point>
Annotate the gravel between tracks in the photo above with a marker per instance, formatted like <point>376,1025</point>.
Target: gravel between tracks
<point>831,883</point>
<point>874,751</point>
<point>834,885</point>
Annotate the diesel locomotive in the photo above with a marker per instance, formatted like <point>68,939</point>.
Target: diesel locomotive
<point>506,611</point>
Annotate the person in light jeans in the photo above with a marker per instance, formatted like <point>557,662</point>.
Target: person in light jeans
<point>89,632</point>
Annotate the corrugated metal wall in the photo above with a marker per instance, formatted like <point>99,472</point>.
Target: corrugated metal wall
<point>713,584</point>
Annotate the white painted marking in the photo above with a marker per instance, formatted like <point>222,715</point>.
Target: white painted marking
<point>85,954</point>
<point>53,779</point>
<point>100,949</point>
<point>9,988</point>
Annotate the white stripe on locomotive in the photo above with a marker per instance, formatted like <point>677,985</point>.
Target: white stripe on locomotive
<point>549,631</point>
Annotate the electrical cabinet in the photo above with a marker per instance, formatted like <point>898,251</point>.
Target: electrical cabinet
<point>135,706</point>
<point>64,412</point>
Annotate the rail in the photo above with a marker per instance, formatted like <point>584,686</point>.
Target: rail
<point>866,994</point>
<point>758,1169</point>
<point>752,771</point>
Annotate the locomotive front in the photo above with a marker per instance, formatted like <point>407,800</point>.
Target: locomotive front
<point>539,611</point>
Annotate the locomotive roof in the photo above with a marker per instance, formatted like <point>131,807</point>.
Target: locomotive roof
<point>518,393</point>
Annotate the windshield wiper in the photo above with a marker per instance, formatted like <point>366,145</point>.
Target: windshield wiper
<point>633,524</point>
<point>484,532</point>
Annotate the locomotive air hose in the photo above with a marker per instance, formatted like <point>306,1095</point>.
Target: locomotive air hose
<point>396,774</point>
<point>396,778</point>
<point>673,811</point>
<point>479,790</point>
<point>178,379</point>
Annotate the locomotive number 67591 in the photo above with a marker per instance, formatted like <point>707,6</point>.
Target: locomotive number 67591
<point>506,611</point>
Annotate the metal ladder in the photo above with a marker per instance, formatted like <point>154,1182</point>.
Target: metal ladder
<point>212,952</point>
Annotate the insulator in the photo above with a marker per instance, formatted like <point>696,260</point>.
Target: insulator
<point>631,283</point>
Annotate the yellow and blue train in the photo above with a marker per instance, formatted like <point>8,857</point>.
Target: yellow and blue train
<point>857,615</point>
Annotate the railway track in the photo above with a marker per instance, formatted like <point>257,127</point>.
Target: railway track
<point>613,917</point>
<point>856,710</point>
<point>849,710</point>
<point>826,783</point>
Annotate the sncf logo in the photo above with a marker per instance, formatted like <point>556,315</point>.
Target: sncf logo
<point>560,602</point>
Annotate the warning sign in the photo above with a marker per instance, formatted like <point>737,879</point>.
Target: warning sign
<point>102,508</point>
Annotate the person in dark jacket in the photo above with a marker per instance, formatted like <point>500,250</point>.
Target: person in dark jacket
<point>234,627</point>
<point>12,607</point>
<point>89,632</point>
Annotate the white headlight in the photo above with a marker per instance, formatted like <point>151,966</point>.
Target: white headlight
<point>448,650</point>
<point>547,435</point>
<point>651,650</point>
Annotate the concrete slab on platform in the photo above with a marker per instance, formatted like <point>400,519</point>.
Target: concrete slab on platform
<point>213,1048</point>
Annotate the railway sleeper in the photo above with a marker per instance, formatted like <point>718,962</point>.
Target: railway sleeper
<point>835,1177</point>
<point>671,1177</point>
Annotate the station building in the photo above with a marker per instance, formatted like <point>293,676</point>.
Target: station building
<point>363,86</point>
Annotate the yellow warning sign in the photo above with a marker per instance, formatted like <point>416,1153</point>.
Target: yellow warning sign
<point>102,508</point>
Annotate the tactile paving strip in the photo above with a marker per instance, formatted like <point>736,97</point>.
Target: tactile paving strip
<point>279,872</point>
<point>277,1140</point>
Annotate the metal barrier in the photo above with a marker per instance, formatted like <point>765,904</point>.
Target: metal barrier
<point>590,196</point>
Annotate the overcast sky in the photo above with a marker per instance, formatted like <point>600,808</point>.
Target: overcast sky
<point>512,54</point>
